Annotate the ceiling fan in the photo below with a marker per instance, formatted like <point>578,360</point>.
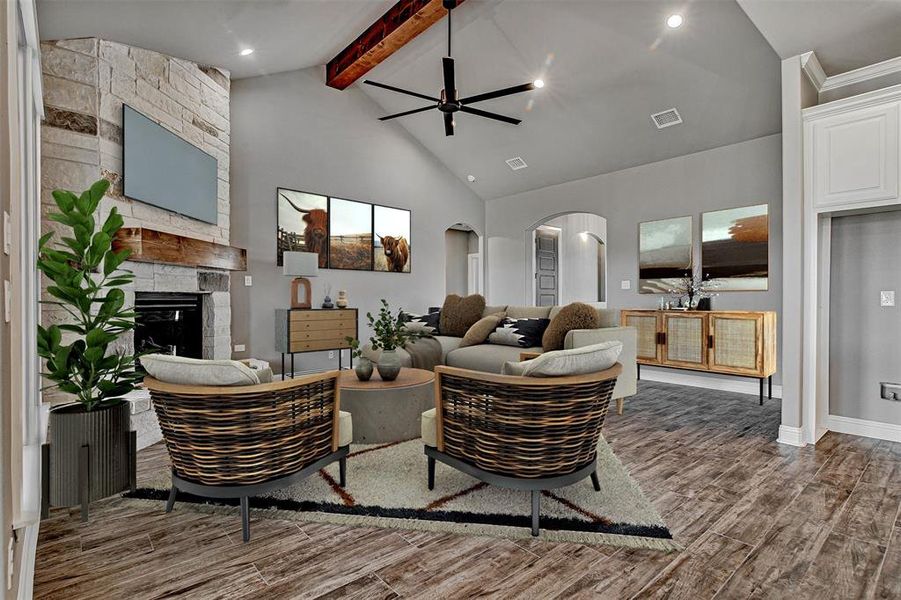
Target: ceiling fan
<point>449,103</point>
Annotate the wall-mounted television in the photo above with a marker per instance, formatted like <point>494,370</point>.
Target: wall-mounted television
<point>166,171</point>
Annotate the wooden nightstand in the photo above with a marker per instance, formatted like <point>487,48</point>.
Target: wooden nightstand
<point>300,330</point>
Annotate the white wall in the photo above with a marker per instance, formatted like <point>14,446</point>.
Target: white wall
<point>456,261</point>
<point>290,130</point>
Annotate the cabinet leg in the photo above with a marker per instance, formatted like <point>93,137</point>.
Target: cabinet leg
<point>638,368</point>
<point>283,366</point>
<point>770,387</point>
<point>761,391</point>
<point>84,481</point>
<point>292,365</point>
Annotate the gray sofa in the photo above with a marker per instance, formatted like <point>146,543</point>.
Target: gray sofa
<point>490,358</point>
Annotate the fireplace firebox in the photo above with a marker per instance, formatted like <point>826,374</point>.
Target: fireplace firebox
<point>169,323</point>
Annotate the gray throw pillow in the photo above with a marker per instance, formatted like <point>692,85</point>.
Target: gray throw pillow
<point>562,363</point>
<point>192,371</point>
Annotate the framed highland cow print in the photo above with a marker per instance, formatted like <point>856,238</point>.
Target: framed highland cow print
<point>392,248</point>
<point>350,235</point>
<point>302,224</point>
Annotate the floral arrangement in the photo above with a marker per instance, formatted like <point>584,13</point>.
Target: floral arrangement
<point>695,288</point>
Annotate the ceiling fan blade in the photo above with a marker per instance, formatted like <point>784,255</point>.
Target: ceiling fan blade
<point>516,89</point>
<point>448,124</point>
<point>407,112</point>
<point>490,115</point>
<point>450,86</point>
<point>400,90</point>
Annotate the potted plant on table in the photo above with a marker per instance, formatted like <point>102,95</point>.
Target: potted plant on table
<point>389,334</point>
<point>363,368</point>
<point>90,438</point>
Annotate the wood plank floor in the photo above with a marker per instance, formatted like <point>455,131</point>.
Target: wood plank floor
<point>757,519</point>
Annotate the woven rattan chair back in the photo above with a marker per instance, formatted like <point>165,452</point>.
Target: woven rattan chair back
<point>245,435</point>
<point>523,427</point>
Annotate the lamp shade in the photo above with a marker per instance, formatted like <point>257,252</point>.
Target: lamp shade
<point>300,264</point>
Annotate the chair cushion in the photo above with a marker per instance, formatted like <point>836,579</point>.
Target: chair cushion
<point>480,330</point>
<point>193,371</point>
<point>561,363</point>
<point>459,314</point>
<point>488,358</point>
<point>577,315</point>
<point>345,428</point>
<point>428,428</point>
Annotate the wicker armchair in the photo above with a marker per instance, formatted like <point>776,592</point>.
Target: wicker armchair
<point>236,442</point>
<point>526,433</point>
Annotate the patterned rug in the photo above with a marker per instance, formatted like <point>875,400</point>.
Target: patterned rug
<point>386,487</point>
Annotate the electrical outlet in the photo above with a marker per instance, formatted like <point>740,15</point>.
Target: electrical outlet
<point>239,347</point>
<point>331,354</point>
<point>887,298</point>
<point>248,280</point>
<point>625,284</point>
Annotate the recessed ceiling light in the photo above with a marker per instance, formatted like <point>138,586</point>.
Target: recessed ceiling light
<point>471,178</point>
<point>246,51</point>
<point>539,83</point>
<point>674,21</point>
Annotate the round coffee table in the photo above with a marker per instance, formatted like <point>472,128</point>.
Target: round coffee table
<point>387,411</point>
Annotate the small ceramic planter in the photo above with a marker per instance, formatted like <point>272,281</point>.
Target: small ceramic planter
<point>363,369</point>
<point>389,365</point>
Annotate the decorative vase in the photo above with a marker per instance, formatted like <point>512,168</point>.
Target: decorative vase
<point>327,303</point>
<point>363,368</point>
<point>389,365</point>
<point>98,444</point>
<point>342,299</point>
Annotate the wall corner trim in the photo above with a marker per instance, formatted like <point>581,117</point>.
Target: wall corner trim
<point>823,83</point>
<point>791,436</point>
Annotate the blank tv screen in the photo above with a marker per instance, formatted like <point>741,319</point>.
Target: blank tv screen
<point>166,171</point>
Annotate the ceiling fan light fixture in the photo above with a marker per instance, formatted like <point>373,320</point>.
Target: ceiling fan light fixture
<point>538,83</point>
<point>674,21</point>
<point>246,52</point>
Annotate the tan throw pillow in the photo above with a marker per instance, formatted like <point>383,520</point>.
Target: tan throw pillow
<point>459,314</point>
<point>577,315</point>
<point>480,330</point>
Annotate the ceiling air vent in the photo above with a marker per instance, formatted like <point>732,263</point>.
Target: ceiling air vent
<point>667,118</point>
<point>516,163</point>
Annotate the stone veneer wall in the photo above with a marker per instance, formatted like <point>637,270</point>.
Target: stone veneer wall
<point>86,82</point>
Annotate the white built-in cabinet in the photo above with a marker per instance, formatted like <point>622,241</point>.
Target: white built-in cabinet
<point>852,151</point>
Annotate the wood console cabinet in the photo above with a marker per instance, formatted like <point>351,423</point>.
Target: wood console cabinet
<point>313,330</point>
<point>739,343</point>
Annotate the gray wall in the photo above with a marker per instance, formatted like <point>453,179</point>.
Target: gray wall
<point>864,346</point>
<point>291,130</point>
<point>738,175</point>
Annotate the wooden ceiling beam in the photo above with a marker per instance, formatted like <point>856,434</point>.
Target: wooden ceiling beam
<point>403,22</point>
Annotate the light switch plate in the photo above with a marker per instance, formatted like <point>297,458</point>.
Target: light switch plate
<point>239,347</point>
<point>625,284</point>
<point>248,280</point>
<point>7,234</point>
<point>887,298</point>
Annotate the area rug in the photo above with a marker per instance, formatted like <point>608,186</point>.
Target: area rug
<point>386,487</point>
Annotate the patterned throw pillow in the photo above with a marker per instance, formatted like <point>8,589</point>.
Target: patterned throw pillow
<point>428,322</point>
<point>524,333</point>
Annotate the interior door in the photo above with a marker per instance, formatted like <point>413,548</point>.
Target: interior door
<point>647,325</point>
<point>546,265</point>
<point>686,340</point>
<point>736,343</point>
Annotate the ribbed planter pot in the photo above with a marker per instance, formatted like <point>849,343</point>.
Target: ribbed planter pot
<point>91,455</point>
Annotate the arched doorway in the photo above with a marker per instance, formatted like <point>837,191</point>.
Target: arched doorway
<point>463,260</point>
<point>566,259</point>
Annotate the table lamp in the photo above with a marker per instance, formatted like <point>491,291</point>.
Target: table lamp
<point>300,265</point>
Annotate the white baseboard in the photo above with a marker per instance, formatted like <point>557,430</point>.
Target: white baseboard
<point>793,436</point>
<point>736,384</point>
<point>29,552</point>
<point>872,429</point>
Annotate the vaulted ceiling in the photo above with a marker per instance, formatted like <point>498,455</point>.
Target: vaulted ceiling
<point>608,64</point>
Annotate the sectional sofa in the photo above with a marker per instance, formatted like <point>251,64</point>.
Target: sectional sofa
<point>490,358</point>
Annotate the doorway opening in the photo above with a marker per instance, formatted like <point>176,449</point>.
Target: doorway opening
<point>567,260</point>
<point>463,260</point>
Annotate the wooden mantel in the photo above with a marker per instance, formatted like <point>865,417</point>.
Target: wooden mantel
<point>147,245</point>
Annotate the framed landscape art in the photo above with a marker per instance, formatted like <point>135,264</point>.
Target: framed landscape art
<point>350,235</point>
<point>392,247</point>
<point>664,254</point>
<point>735,248</point>
<point>302,224</point>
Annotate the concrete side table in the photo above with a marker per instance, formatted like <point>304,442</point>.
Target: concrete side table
<point>387,411</point>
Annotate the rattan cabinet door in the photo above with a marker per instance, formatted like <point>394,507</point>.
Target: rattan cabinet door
<point>686,340</point>
<point>736,342</point>
<point>647,324</point>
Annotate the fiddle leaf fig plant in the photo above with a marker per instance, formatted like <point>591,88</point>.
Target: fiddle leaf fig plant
<point>86,282</point>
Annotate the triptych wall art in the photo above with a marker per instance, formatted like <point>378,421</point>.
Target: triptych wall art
<point>347,234</point>
<point>734,250</point>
